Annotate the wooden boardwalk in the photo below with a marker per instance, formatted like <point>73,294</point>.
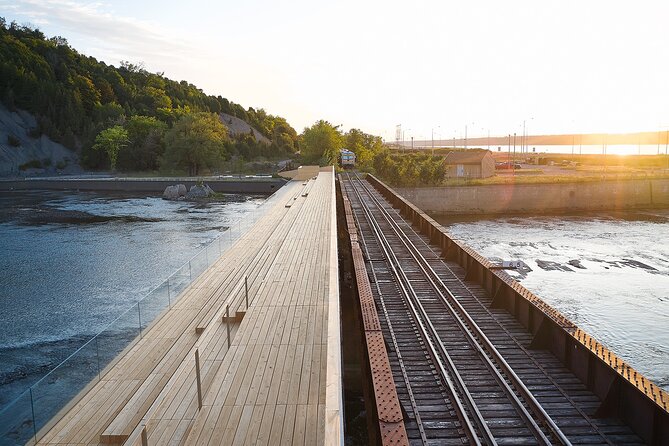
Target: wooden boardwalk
<point>269,373</point>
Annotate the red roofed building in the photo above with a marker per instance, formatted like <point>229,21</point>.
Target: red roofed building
<point>470,164</point>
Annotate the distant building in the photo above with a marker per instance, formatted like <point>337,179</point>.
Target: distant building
<point>470,164</point>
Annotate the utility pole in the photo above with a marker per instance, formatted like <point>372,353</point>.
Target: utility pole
<point>509,148</point>
<point>398,134</point>
<point>513,161</point>
<point>604,149</point>
<point>465,137</point>
<point>572,144</point>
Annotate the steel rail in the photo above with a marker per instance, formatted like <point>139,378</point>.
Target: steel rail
<point>400,358</point>
<point>429,333</point>
<point>474,332</point>
<point>522,348</point>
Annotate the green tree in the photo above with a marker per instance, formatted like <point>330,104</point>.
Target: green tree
<point>146,143</point>
<point>321,143</point>
<point>111,140</point>
<point>196,142</point>
<point>73,96</point>
<point>365,146</point>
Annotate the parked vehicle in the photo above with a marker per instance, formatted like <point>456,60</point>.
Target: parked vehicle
<point>507,165</point>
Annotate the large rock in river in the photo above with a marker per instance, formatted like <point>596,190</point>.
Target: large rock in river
<point>197,192</point>
<point>176,192</point>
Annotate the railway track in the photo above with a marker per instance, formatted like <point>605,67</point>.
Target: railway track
<point>465,373</point>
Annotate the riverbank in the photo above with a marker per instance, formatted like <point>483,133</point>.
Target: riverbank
<point>225,184</point>
<point>504,199</point>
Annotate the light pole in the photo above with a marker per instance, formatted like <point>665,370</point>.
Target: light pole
<point>525,135</point>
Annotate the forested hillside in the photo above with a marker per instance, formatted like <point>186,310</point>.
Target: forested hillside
<point>82,103</point>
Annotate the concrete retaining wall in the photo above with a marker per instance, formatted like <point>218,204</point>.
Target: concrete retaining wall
<point>525,198</point>
<point>140,185</point>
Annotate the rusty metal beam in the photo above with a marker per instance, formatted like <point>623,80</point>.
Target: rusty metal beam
<point>389,411</point>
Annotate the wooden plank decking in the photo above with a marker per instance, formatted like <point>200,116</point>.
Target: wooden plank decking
<point>266,384</point>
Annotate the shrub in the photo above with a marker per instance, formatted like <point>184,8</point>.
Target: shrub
<point>32,164</point>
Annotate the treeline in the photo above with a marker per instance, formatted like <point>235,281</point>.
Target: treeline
<point>320,144</point>
<point>75,97</point>
<point>410,170</point>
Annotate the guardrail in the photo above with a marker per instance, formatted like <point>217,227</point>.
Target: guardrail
<point>33,412</point>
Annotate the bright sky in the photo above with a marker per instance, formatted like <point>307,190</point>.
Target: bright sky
<point>563,66</point>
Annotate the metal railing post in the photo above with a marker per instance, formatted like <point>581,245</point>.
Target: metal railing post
<point>227,323</point>
<point>97,354</point>
<point>197,377</point>
<point>145,440</point>
<point>246,290</point>
<point>32,408</point>
<point>139,315</point>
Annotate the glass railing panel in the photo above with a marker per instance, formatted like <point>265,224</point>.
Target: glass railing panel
<point>153,305</point>
<point>117,336</point>
<point>64,382</point>
<point>178,282</point>
<point>16,422</point>
<point>199,263</point>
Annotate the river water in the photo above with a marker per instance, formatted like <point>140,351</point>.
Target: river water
<point>607,272</point>
<point>71,262</point>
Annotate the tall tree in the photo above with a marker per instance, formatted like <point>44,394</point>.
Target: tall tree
<point>146,146</point>
<point>111,141</point>
<point>321,143</point>
<point>196,142</point>
<point>365,146</point>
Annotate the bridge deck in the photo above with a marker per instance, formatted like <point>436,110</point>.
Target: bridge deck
<point>267,384</point>
<point>466,370</point>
